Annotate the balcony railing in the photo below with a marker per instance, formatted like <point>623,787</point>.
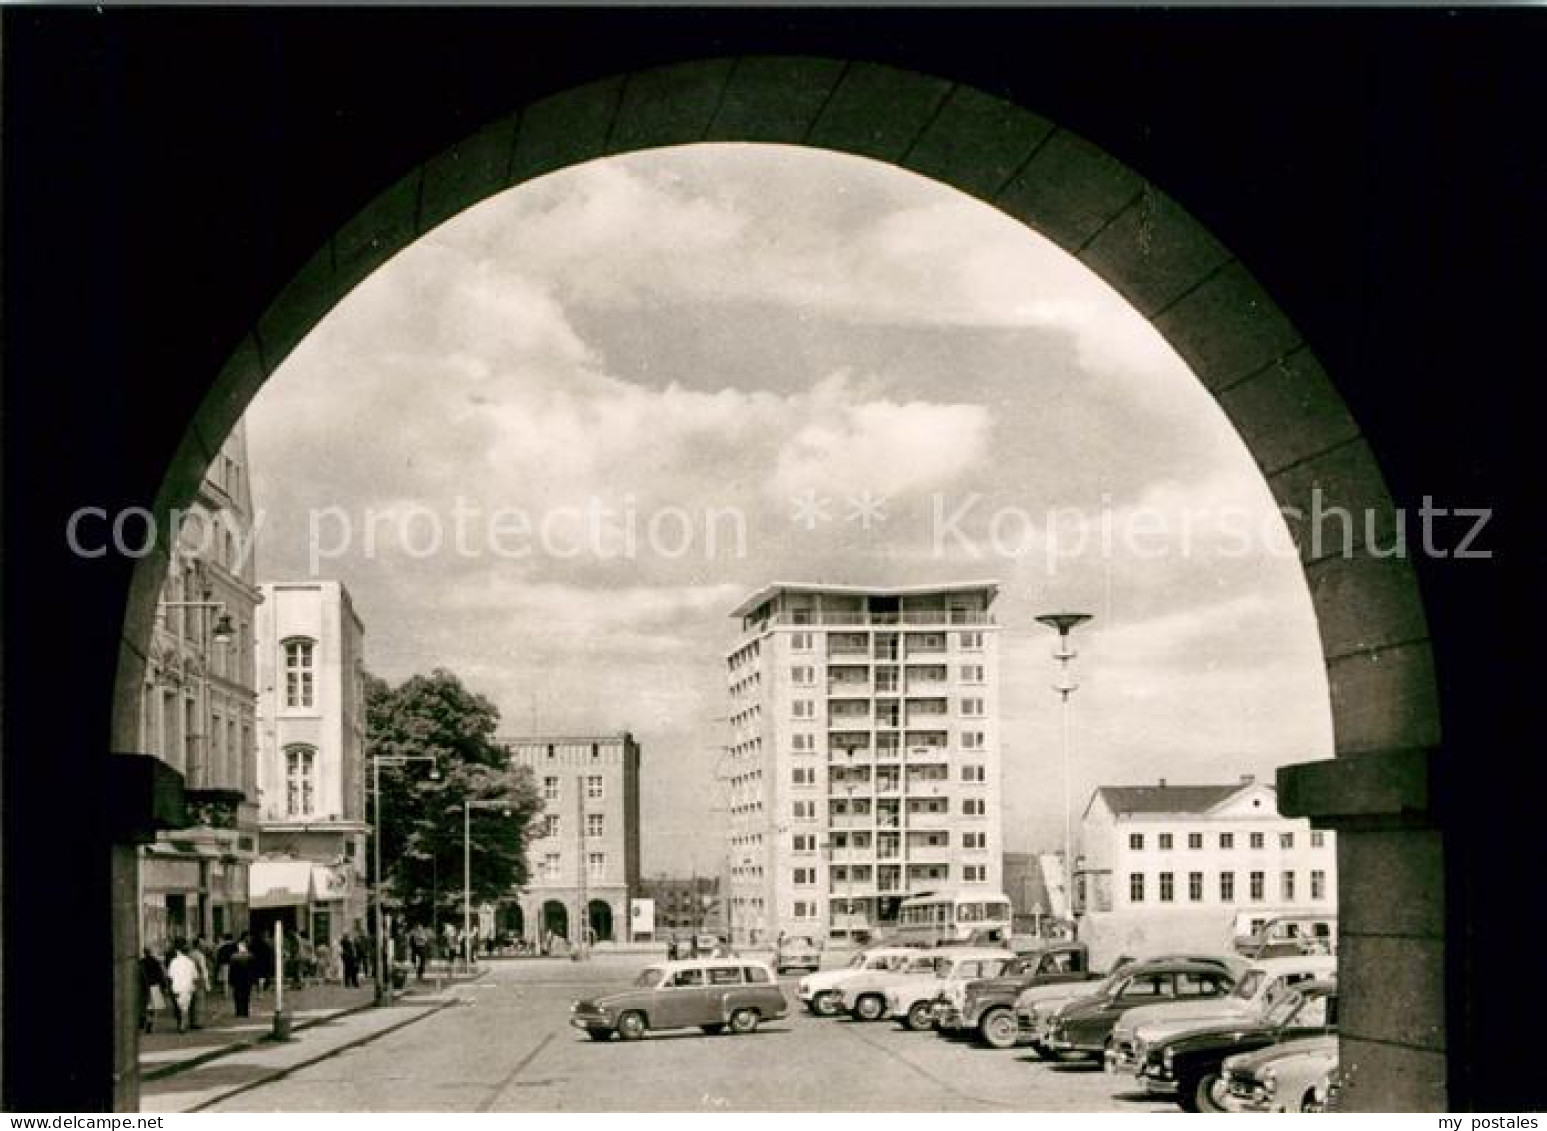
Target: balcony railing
<point>932,618</point>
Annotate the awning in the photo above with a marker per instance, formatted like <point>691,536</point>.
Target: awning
<point>279,883</point>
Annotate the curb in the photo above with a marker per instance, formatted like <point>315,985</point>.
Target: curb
<point>430,1010</point>
<point>161,1072</point>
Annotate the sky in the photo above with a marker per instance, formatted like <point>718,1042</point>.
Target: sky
<point>551,445</point>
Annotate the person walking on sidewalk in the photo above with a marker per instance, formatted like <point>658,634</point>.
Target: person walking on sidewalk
<point>201,989</point>
<point>184,975</point>
<point>153,989</point>
<point>349,956</point>
<point>242,974</point>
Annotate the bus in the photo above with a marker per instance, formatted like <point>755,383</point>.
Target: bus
<point>944,917</point>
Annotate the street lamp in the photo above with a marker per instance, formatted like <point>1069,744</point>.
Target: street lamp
<point>383,993</point>
<point>223,632</point>
<point>1062,623</point>
<point>468,805</point>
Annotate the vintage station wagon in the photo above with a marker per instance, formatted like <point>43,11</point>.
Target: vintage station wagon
<point>711,994</point>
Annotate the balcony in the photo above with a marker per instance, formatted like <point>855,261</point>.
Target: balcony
<point>848,722</point>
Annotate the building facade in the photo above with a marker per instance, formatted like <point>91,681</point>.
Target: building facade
<point>685,905</point>
<point>583,857</point>
<point>864,761</point>
<point>1183,866</point>
<point>310,664</point>
<point>199,711</point>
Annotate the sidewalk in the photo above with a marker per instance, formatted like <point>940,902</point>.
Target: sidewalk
<point>185,1071</point>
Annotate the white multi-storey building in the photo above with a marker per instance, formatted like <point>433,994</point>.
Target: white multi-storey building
<point>863,765</point>
<point>310,659</point>
<point>1183,866</point>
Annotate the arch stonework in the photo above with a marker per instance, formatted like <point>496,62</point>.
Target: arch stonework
<point>1203,300</point>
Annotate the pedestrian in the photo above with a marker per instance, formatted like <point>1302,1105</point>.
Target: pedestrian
<point>243,973</point>
<point>672,948</point>
<point>419,950</point>
<point>184,975</point>
<point>153,989</point>
<point>201,987</point>
<point>223,954</point>
<point>350,958</point>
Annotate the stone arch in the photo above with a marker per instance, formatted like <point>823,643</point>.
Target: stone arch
<point>555,919</point>
<point>600,919</point>
<point>1199,296</point>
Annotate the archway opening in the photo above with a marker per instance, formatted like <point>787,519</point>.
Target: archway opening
<point>600,915</point>
<point>555,920</point>
<point>1202,300</point>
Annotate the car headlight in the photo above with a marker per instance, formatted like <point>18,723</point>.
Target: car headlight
<point>1269,1080</point>
<point>1168,1059</point>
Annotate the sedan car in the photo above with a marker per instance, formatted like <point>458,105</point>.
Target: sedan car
<point>820,992</point>
<point>711,994</point>
<point>797,952</point>
<point>1295,1076</point>
<point>1083,1027</point>
<point>987,1006</point>
<point>1187,1060</point>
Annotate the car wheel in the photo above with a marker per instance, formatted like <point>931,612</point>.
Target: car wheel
<point>1000,1029</point>
<point>744,1021</point>
<point>1209,1093</point>
<point>825,1004</point>
<point>599,1034</point>
<point>631,1026</point>
<point>920,1016</point>
<point>713,1030</point>
<point>869,1008</point>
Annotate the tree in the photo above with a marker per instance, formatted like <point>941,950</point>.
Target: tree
<point>421,817</point>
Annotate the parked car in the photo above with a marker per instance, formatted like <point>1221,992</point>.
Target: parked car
<point>1283,935</point>
<point>866,998</point>
<point>712,994</point>
<point>1258,986</point>
<point>1186,1060</point>
<point>987,1006</point>
<point>797,952</point>
<point>1295,1076</point>
<point>1083,1027</point>
<point>912,1001</point>
<point>819,992</point>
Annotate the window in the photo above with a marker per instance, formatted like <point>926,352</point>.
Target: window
<point>803,743</point>
<point>550,824</point>
<point>1165,841</point>
<point>972,740</point>
<point>970,641</point>
<point>972,708</point>
<point>1318,839</point>
<point>691,977</point>
<point>800,641</point>
<point>1195,887</point>
<point>1286,840</point>
<point>1194,840</point>
<point>593,786</point>
<point>1136,842</point>
<point>1257,840</point>
<point>972,673</point>
<point>1256,881</point>
<point>299,691</point>
<point>803,708</point>
<point>975,873</point>
<point>551,865</point>
<point>1318,884</point>
<point>1167,887</point>
<point>974,840</point>
<point>550,789</point>
<point>804,877</point>
<point>595,825</point>
<point>1135,887</point>
<point>805,909</point>
<point>1227,840</point>
<point>1286,887</point>
<point>1227,887</point>
<point>300,780</point>
<point>756,974</point>
<point>804,810</point>
<point>974,807</point>
<point>596,865</point>
<point>804,842</point>
<point>974,773</point>
<point>803,775</point>
<point>803,675</point>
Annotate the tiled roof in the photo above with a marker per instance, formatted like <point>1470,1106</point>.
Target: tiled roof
<point>1167,798</point>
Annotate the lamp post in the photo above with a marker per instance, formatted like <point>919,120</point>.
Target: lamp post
<point>468,805</point>
<point>383,991</point>
<point>1062,623</point>
<point>222,633</point>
